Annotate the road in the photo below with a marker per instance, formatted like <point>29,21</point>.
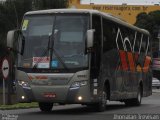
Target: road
<point>149,109</point>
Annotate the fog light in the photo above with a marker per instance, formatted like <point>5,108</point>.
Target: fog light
<point>23,97</point>
<point>80,98</point>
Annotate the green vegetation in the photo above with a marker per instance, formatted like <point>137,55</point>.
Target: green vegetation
<point>11,14</point>
<point>12,11</point>
<point>150,22</point>
<point>19,106</point>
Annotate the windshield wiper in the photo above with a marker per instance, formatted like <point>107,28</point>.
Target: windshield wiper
<point>53,51</point>
<point>51,48</point>
<point>43,53</point>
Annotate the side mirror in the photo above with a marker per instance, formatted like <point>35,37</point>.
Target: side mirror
<point>11,37</point>
<point>90,38</point>
<point>14,39</point>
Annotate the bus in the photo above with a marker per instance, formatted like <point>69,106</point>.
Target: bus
<point>79,56</point>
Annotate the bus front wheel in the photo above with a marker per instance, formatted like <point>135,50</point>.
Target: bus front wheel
<point>101,105</point>
<point>45,107</point>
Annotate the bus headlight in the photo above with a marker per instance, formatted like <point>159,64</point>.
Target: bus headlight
<point>78,84</point>
<point>24,84</point>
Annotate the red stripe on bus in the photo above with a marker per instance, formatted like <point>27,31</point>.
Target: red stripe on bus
<point>146,64</point>
<point>123,60</point>
<point>138,67</point>
<point>131,61</point>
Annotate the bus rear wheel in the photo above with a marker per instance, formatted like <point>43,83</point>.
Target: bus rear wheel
<point>45,107</point>
<point>135,101</point>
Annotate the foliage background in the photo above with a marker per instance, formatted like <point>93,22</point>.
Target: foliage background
<point>11,14</point>
<point>151,22</point>
<point>12,11</point>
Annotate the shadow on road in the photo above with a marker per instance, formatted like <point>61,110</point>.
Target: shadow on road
<point>79,110</point>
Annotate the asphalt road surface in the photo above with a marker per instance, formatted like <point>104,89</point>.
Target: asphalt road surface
<point>149,110</point>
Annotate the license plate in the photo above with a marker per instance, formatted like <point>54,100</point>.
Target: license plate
<point>49,95</point>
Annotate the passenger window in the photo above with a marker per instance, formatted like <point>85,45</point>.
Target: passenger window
<point>144,44</point>
<point>137,42</point>
<point>109,35</point>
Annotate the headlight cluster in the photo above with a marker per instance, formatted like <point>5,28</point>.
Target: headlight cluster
<point>24,84</point>
<point>78,84</point>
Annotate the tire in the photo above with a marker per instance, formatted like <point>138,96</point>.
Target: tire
<point>136,101</point>
<point>46,107</point>
<point>101,105</point>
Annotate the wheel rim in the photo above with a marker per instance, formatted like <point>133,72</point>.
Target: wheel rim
<point>139,96</point>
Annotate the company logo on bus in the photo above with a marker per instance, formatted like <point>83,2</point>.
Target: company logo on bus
<point>130,49</point>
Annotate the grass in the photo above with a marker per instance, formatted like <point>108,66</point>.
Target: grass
<point>19,106</point>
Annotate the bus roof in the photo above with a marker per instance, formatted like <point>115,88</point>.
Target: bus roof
<point>105,15</point>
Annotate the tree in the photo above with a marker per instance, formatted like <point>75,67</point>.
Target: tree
<point>12,11</point>
<point>11,14</point>
<point>150,22</point>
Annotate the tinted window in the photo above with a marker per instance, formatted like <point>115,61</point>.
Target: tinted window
<point>109,35</point>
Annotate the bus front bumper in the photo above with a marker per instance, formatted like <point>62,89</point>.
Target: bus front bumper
<point>54,94</point>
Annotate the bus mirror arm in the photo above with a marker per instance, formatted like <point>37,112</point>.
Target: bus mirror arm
<point>23,44</point>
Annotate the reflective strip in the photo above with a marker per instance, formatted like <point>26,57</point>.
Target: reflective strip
<point>95,92</point>
<point>95,84</point>
<point>95,80</point>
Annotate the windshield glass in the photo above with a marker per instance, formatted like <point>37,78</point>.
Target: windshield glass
<point>68,42</point>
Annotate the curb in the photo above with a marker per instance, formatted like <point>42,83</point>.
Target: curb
<point>15,108</point>
<point>156,91</point>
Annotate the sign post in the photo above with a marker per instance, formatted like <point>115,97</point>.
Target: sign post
<point>5,73</point>
<point>4,92</point>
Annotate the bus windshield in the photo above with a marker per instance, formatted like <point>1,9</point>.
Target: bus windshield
<point>68,43</point>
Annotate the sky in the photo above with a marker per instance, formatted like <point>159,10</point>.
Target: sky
<point>119,2</point>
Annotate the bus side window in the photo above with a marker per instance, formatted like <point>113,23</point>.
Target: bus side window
<point>137,43</point>
<point>119,38</point>
<point>144,44</point>
<point>128,38</point>
<point>149,47</point>
<point>109,34</point>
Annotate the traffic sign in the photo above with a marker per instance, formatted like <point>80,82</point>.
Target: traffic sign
<point>5,68</point>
